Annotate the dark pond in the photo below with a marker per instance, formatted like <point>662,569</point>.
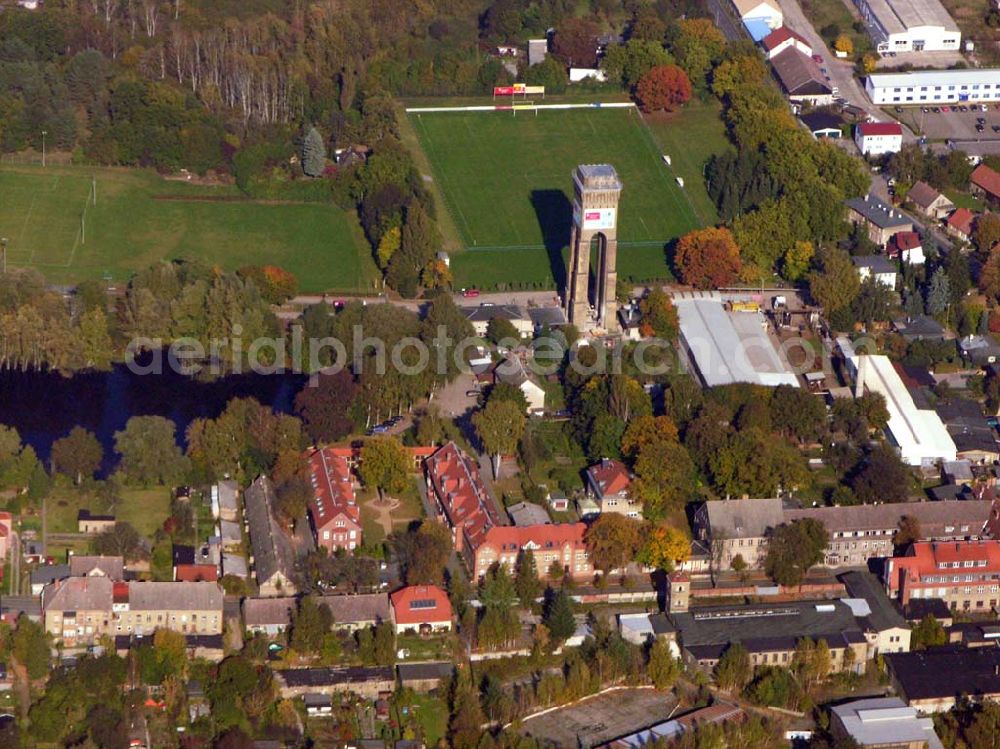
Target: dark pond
<point>44,406</point>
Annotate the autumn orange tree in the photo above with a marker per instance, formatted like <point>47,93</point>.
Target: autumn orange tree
<point>665,547</point>
<point>708,258</point>
<point>664,87</point>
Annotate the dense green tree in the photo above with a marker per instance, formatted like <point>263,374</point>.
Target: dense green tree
<point>30,646</point>
<point>526,581</point>
<point>793,549</point>
<point>834,284</point>
<point>384,465</point>
<point>149,451</point>
<point>313,153</point>
<point>77,455</point>
<point>122,540</point>
<point>499,427</point>
<point>928,633</point>
<point>663,668</point>
<point>734,669</point>
<point>558,615</point>
<point>423,553</point>
<point>882,477</point>
<point>310,625</point>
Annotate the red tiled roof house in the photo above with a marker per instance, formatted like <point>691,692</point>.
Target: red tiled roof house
<point>781,39</point>
<point>608,482</point>
<point>334,510</point>
<point>960,223</point>
<point>984,182</point>
<point>421,608</point>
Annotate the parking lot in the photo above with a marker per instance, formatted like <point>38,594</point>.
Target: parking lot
<point>961,121</point>
<point>603,718</point>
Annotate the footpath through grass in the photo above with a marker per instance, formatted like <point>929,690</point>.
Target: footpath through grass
<point>506,181</point>
<point>52,224</point>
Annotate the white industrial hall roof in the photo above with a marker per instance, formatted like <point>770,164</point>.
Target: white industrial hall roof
<point>963,77</point>
<point>897,16</point>
<point>919,433</point>
<point>728,347</point>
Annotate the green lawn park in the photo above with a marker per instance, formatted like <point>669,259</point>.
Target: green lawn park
<point>506,182</point>
<point>51,223</point>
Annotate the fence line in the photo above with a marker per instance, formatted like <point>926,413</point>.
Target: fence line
<point>523,107</point>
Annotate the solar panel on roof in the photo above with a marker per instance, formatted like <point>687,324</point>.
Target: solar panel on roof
<point>423,603</point>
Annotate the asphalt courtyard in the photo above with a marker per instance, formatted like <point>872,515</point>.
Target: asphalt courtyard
<point>942,125</point>
<point>601,719</point>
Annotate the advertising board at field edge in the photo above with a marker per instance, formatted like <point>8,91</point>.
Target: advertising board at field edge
<point>518,89</point>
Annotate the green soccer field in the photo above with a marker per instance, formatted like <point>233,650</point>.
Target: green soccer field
<point>507,183</point>
<point>140,218</point>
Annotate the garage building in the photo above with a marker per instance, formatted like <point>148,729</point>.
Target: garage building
<point>909,25</point>
<point>934,86</point>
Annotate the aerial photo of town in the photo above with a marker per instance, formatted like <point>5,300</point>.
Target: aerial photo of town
<point>499,374</point>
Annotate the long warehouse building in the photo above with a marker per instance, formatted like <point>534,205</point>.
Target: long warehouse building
<point>919,434</point>
<point>934,86</point>
<point>726,347</point>
<point>909,25</point>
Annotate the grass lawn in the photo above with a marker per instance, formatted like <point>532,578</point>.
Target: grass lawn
<point>507,183</point>
<point>823,13</point>
<point>964,200</point>
<point>140,218</point>
<point>145,509</point>
<point>690,155</point>
<point>431,713</point>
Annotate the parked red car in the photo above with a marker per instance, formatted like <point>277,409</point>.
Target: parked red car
<point>470,293</point>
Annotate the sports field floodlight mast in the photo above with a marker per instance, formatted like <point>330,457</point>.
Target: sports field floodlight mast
<point>44,133</point>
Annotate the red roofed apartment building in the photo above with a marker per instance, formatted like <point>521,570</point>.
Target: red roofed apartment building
<point>454,482</point>
<point>964,574</point>
<point>609,482</point>
<point>422,608</point>
<point>334,510</point>
<point>562,543</point>
<point>984,182</point>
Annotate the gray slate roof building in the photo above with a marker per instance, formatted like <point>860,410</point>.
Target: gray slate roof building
<point>744,518</point>
<point>527,513</point>
<point>79,594</point>
<point>798,74</point>
<point>883,614</point>
<point>875,263</point>
<point>175,596</point>
<point>707,632</point>
<point>90,566</point>
<point>878,213</point>
<point>935,517</point>
<point>48,574</point>
<point>485,313</point>
<point>273,557</point>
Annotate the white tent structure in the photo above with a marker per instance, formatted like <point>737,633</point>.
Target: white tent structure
<point>920,435</point>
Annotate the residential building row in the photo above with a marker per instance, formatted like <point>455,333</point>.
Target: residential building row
<point>78,610</point>
<point>456,488</point>
<point>858,533</point>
